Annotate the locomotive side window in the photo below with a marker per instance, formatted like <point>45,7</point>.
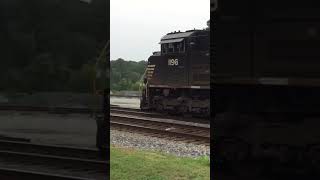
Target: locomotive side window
<point>179,47</point>
<point>164,48</point>
<point>171,48</point>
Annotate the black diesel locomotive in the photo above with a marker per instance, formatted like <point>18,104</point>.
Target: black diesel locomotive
<point>177,79</point>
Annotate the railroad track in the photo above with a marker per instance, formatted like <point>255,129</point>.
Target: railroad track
<point>20,160</point>
<point>190,132</point>
<point>138,112</point>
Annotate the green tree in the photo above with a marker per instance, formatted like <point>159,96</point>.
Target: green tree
<point>125,75</point>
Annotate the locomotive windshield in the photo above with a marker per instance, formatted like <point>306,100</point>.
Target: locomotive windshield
<point>173,47</point>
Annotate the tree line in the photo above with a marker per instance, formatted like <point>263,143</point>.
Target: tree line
<point>126,75</point>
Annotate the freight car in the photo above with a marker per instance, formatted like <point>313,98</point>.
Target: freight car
<point>177,78</point>
<point>266,83</point>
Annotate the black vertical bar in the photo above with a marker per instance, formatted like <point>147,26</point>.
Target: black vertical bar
<point>106,119</point>
<point>106,93</point>
<point>213,6</point>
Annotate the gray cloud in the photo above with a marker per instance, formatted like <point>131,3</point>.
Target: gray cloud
<point>138,25</point>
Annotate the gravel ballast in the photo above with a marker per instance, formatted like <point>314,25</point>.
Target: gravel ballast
<point>138,141</point>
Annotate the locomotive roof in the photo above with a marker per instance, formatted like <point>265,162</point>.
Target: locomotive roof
<point>171,40</point>
<point>177,35</point>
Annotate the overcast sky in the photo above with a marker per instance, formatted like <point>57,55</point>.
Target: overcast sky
<point>137,25</point>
